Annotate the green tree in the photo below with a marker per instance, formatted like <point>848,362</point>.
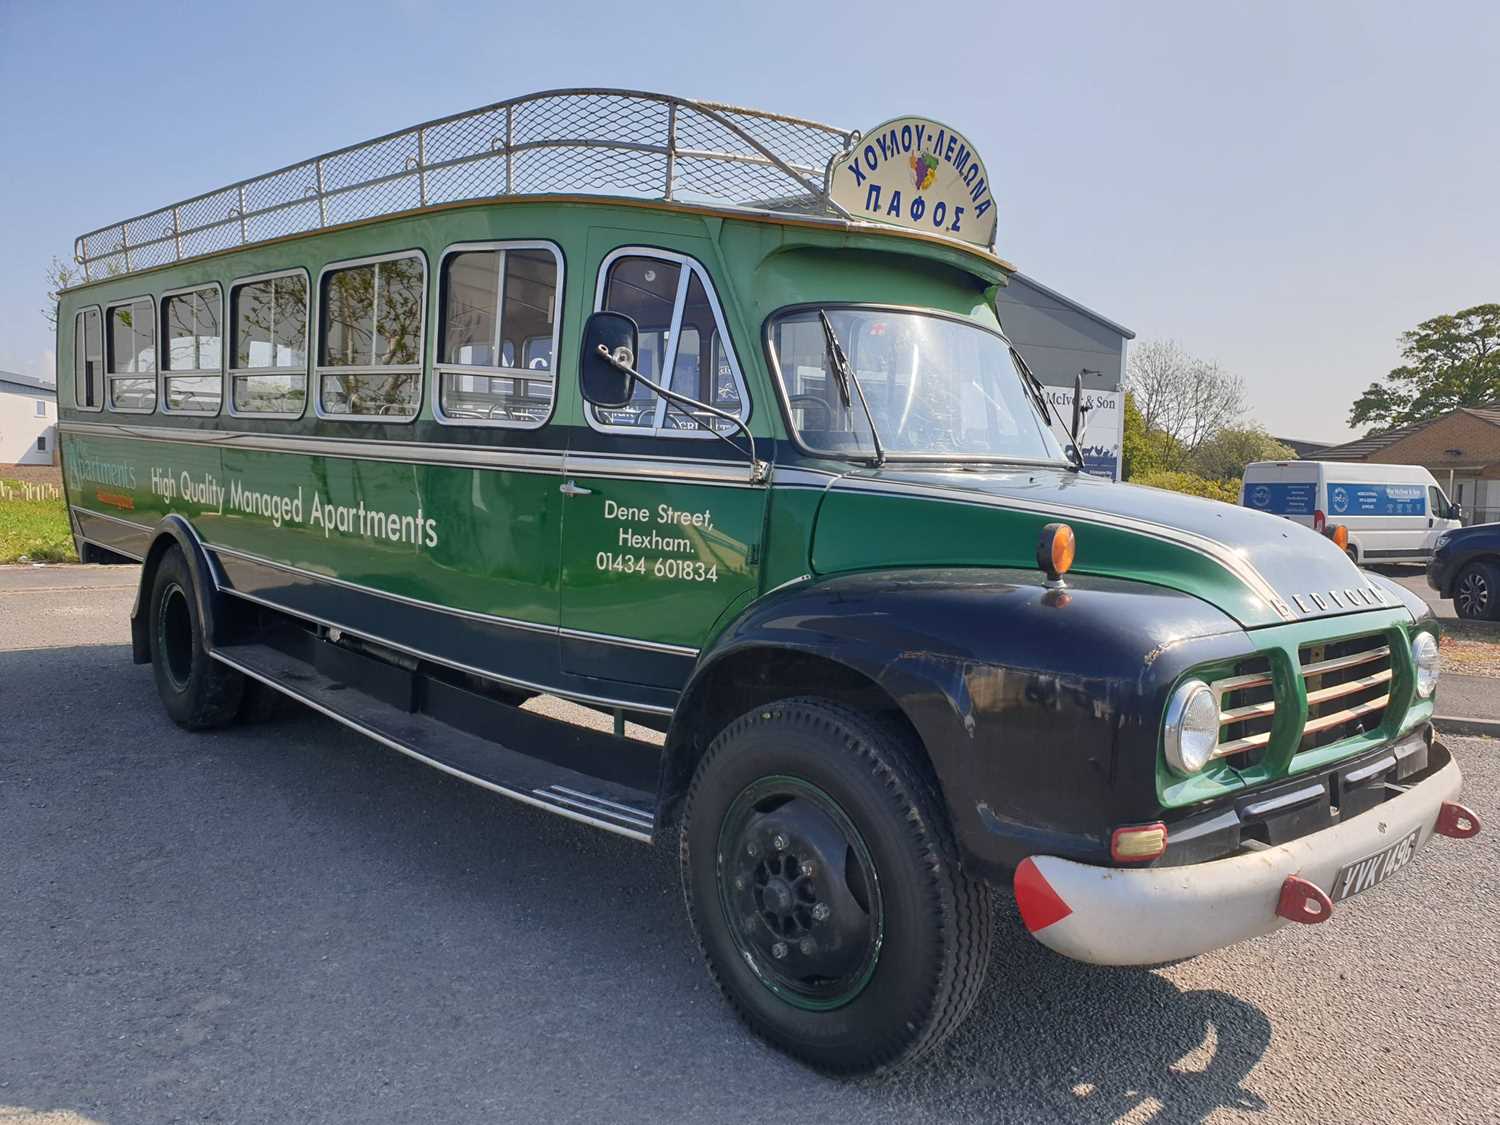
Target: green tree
<point>1225,455</point>
<point>1451,361</point>
<point>1143,448</point>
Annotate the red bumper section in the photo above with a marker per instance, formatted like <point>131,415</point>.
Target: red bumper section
<point>1457,821</point>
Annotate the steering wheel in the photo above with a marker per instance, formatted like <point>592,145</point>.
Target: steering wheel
<point>814,400</point>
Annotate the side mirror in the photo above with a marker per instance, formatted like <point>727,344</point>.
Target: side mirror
<point>604,384</point>
<point>1455,512</point>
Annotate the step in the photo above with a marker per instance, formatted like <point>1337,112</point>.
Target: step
<point>607,804</point>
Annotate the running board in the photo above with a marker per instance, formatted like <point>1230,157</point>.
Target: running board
<point>611,806</point>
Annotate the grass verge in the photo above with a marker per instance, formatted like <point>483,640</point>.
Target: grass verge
<point>34,524</point>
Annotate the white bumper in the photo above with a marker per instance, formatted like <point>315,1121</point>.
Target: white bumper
<point>1144,916</point>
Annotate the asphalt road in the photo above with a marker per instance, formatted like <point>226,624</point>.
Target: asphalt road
<point>286,923</point>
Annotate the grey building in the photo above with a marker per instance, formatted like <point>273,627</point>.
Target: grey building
<point>1061,338</point>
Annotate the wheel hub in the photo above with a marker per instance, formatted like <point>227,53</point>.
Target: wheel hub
<point>800,893</point>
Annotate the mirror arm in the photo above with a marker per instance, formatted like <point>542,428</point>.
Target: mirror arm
<point>759,470</point>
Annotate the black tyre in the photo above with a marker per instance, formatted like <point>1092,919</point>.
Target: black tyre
<point>197,690</point>
<point>1353,555</point>
<point>1476,592</point>
<point>823,882</point>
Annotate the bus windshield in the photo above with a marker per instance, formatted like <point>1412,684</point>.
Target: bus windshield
<point>937,388</point>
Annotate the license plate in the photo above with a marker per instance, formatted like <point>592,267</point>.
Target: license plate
<point>1363,874</point>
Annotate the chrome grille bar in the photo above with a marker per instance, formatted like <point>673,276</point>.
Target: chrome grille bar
<point>1351,661</point>
<point>1323,722</point>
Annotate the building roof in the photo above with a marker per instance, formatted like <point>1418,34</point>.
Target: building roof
<point>1362,448</point>
<point>1303,449</point>
<point>29,384</point>
<point>1074,305</point>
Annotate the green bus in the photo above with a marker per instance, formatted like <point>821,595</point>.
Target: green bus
<point>703,420</point>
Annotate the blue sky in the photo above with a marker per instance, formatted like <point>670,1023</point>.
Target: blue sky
<point>1283,188</point>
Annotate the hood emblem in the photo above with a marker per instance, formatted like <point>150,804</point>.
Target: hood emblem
<point>1347,598</point>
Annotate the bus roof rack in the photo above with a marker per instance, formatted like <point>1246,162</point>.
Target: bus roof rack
<point>621,143</point>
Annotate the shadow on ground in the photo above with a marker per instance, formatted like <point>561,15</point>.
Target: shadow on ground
<point>285,922</point>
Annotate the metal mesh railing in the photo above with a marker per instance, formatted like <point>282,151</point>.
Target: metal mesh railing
<point>589,142</point>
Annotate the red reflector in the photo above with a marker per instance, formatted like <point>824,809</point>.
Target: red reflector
<point>1039,903</point>
<point>1138,843</point>
<point>1303,902</point>
<point>1456,821</point>
<point>1319,519</point>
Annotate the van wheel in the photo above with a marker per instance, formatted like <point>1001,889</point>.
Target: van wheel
<point>823,882</point>
<point>1476,592</point>
<point>1353,555</point>
<point>197,691</point>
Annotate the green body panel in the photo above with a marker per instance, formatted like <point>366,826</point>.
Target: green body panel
<point>487,541</point>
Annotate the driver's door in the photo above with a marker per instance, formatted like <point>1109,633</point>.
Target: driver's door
<point>661,523</point>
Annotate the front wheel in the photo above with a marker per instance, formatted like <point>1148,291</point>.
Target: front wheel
<point>822,879</point>
<point>1476,592</point>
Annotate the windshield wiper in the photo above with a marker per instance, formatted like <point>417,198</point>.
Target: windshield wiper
<point>845,375</point>
<point>1039,396</point>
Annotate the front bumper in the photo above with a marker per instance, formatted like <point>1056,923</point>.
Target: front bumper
<point>1144,916</point>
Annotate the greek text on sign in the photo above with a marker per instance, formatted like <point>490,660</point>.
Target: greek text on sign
<point>915,173</point>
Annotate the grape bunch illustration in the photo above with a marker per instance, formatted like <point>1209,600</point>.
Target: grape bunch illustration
<point>923,169</point>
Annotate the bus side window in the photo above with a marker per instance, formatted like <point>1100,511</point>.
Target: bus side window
<point>371,314</point>
<point>497,333</point>
<point>131,367</point>
<point>88,360</point>
<point>268,345</point>
<point>682,341</point>
<point>192,361</point>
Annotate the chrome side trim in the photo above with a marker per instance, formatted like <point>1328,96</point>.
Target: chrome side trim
<point>700,472</point>
<point>472,615</point>
<point>620,827</point>
<point>628,815</point>
<point>1240,567</point>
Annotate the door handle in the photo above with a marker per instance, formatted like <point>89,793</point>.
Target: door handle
<point>568,488</point>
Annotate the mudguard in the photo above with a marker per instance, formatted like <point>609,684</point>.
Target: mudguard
<point>174,530</point>
<point>1038,708</point>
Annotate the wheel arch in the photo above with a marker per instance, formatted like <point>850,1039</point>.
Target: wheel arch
<point>753,672</point>
<point>175,531</point>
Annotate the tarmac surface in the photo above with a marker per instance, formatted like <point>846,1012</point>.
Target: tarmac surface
<point>287,923</point>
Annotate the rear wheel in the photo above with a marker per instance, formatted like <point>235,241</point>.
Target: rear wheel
<point>1476,592</point>
<point>823,881</point>
<point>197,691</point>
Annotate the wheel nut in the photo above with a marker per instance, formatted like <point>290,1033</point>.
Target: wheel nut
<point>807,868</point>
<point>739,882</point>
<point>820,912</point>
<point>779,842</point>
<point>778,950</point>
<point>808,947</point>
<point>752,849</point>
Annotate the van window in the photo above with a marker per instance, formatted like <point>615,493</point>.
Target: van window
<point>682,342</point>
<point>497,334</point>
<point>1437,503</point>
<point>132,356</point>
<point>192,361</point>
<point>88,360</point>
<point>268,345</point>
<point>370,337</point>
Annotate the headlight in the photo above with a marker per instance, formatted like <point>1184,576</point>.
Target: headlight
<point>1192,731</point>
<point>1441,539</point>
<point>1424,654</point>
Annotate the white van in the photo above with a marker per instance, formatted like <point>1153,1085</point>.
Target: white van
<point>1393,512</point>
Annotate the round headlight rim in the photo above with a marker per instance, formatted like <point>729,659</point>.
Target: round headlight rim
<point>1427,670</point>
<point>1178,707</point>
